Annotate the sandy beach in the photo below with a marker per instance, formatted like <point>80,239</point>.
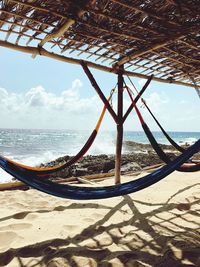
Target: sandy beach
<point>158,226</point>
<point>92,92</point>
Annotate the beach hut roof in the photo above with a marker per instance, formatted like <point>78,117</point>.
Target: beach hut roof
<point>159,37</point>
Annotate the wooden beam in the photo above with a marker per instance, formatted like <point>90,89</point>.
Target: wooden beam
<point>111,31</point>
<point>98,90</point>
<point>57,33</point>
<point>40,8</point>
<point>65,27</point>
<point>173,59</point>
<point>124,21</point>
<point>182,55</point>
<point>119,141</point>
<point>145,12</point>
<point>134,54</point>
<point>34,50</point>
<point>189,44</point>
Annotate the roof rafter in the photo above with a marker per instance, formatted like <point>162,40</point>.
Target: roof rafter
<point>38,8</point>
<point>147,13</point>
<point>158,37</point>
<point>68,23</point>
<point>153,47</point>
<point>124,21</point>
<point>57,33</point>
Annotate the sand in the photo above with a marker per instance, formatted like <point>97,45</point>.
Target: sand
<point>159,226</point>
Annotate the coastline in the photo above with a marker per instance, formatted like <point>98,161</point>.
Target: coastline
<point>137,156</point>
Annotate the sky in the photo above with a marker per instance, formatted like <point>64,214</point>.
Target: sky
<point>43,93</point>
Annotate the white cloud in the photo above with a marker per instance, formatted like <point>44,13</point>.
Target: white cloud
<point>38,108</point>
<point>183,102</point>
<point>36,97</point>
<point>156,101</point>
<point>3,93</point>
<point>9,101</point>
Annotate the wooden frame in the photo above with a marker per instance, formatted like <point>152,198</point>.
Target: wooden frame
<point>119,118</point>
<point>147,37</point>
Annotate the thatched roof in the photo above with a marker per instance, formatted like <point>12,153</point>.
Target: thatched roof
<point>160,37</point>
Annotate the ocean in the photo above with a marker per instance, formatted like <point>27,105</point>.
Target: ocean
<point>32,147</point>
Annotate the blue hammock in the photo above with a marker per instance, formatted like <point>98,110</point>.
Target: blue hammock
<point>75,192</point>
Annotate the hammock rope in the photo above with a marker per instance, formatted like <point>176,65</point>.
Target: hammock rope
<point>162,155</point>
<point>172,142</point>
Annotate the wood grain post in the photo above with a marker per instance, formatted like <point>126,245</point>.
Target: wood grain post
<point>119,128</point>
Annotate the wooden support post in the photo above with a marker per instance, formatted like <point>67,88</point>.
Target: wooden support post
<point>119,127</point>
<point>98,90</point>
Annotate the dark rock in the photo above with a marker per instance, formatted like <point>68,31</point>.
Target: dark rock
<point>130,167</point>
<point>81,171</point>
<point>108,166</point>
<point>96,168</point>
<point>142,155</point>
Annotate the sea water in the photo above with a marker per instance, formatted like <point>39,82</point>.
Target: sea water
<point>33,147</point>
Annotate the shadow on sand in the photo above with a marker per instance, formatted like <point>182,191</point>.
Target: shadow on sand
<point>157,237</point>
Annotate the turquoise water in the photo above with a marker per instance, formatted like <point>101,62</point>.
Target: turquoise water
<point>19,142</point>
<point>33,147</point>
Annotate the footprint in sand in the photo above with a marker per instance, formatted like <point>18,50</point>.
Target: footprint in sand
<point>96,215</point>
<point>68,231</point>
<point>19,206</point>
<point>15,227</point>
<point>7,238</point>
<point>31,216</point>
<point>70,227</point>
<point>89,220</point>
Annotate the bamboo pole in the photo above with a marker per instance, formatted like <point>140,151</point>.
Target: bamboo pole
<point>69,180</point>
<point>13,186</point>
<point>65,27</point>
<point>119,128</point>
<point>57,33</point>
<point>35,51</point>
